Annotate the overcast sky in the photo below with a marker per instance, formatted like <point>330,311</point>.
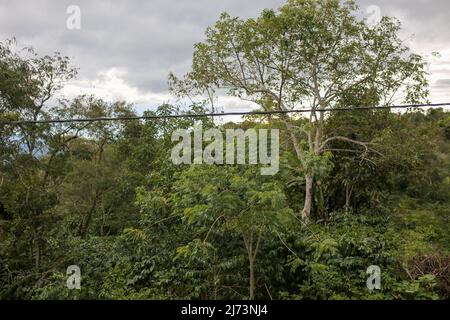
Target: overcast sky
<point>125,49</point>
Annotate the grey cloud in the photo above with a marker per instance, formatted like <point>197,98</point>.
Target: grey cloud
<point>148,39</point>
<point>427,20</point>
<point>442,84</point>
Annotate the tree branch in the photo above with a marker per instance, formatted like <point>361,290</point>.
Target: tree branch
<point>363,144</point>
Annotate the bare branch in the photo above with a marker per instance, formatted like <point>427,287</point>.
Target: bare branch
<point>363,144</point>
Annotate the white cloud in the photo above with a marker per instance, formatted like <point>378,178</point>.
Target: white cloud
<point>111,86</point>
<point>125,50</point>
<point>440,75</point>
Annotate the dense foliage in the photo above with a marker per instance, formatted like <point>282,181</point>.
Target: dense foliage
<point>106,196</point>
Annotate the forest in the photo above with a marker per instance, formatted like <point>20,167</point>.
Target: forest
<point>354,189</point>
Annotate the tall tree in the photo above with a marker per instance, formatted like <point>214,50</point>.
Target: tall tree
<point>312,54</point>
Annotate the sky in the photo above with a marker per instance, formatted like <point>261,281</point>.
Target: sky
<point>125,49</point>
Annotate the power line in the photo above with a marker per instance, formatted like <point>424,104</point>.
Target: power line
<point>150,117</point>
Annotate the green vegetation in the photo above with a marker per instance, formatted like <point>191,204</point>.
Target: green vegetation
<point>354,189</point>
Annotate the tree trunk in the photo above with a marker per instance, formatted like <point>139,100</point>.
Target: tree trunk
<point>348,194</point>
<point>251,252</point>
<point>306,212</point>
<point>85,224</point>
<point>252,280</point>
<point>37,254</point>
